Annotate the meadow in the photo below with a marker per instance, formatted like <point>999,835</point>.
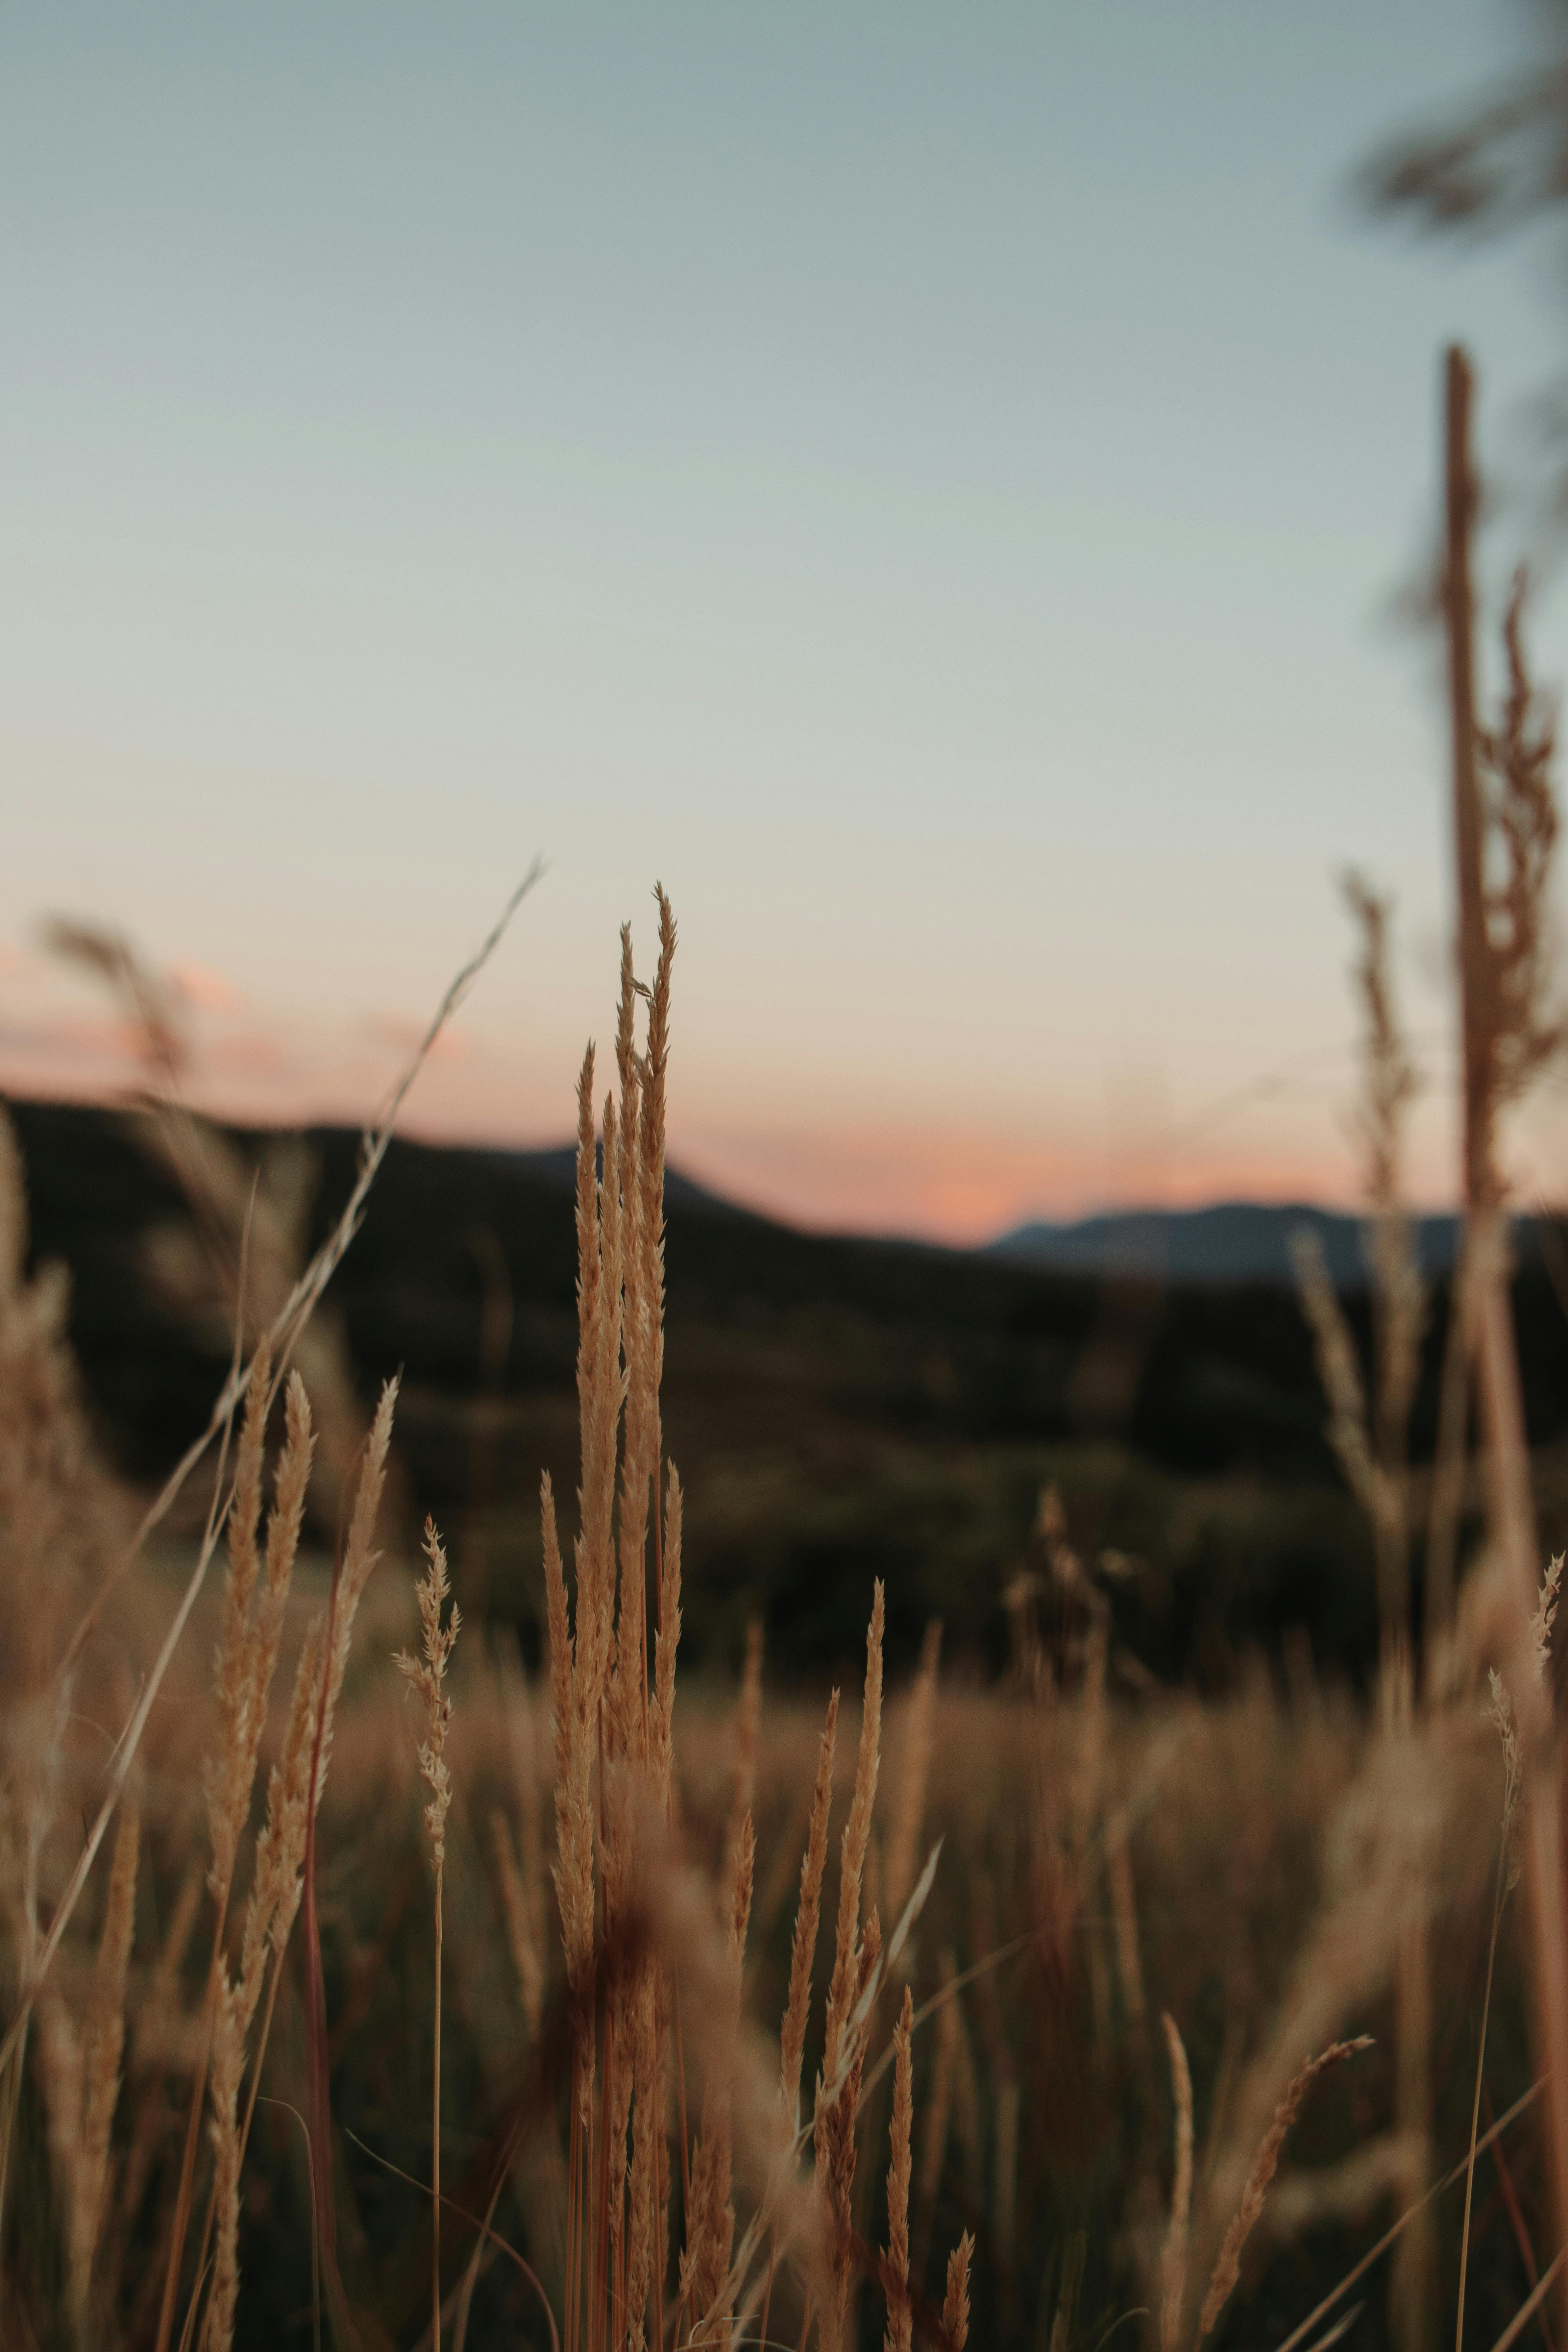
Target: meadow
<point>417,1935</point>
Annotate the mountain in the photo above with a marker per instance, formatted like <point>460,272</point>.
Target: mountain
<point>840,1408</point>
<point>1235,1240</point>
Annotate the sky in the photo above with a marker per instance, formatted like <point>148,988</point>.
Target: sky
<point>930,487</point>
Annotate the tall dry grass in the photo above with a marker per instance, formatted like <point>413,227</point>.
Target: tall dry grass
<point>612,2088</point>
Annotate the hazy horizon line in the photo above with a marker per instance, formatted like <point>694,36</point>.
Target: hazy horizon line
<point>434,1130</point>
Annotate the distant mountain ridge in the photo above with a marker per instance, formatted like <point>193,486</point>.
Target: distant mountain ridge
<point>1227,1242</point>
<point>1233,1241</point>
<point>844,1405</point>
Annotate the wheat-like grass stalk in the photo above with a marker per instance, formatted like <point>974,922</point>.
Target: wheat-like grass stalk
<point>641,1284</point>
<point>226,1779</point>
<point>803,1948</point>
<point>843,1985</point>
<point>105,2042</point>
<point>236,2001</point>
<point>360,1558</point>
<point>426,1676</point>
<point>613,1732</point>
<point>956,2305</point>
<point>277,1887</point>
<point>252,1629</point>
<point>298,1308</point>
<point>349,1581</point>
<point>651,1157</point>
<point>855,1963</point>
<point>647,2141</point>
<point>277,1881</point>
<point>1505,831</point>
<point>747,1728</point>
<point>1507,1873</point>
<point>290,1319</point>
<point>1174,2257</point>
<point>1228,2267</point>
<point>661,1766</point>
<point>899,2331</point>
<point>645,1721</point>
<point>48,1501</point>
<point>706,2265</point>
<point>661,1730</point>
<point>282,1849</point>
<point>220,1779</point>
<point>80,2072</point>
<point>244,1669</point>
<point>711,2233</point>
<point>580,1644</point>
<point>226,2081</point>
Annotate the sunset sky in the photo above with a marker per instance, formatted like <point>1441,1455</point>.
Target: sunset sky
<point>930,486</point>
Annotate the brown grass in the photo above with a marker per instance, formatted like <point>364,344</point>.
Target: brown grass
<point>1276,1873</point>
<point>1174,2258</point>
<point>428,1677</point>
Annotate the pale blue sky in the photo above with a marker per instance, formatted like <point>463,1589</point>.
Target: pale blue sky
<point>924,483</point>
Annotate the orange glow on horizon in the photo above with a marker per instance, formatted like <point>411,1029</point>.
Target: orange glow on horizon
<point>962,1186</point>
<point>829,1163</point>
<point>946,1183</point>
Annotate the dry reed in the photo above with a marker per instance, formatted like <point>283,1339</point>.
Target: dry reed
<point>283,1846</point>
<point>1174,2257</point>
<point>244,1668</point>
<point>426,1676</point>
<point>1227,2268</point>
<point>857,1954</point>
<point>655,1966</point>
<point>748,1725</point>
<point>955,2304</point>
<point>803,1950</point>
<point>290,1319</point>
<point>900,2316</point>
<point>1505,830</point>
<point>80,2073</point>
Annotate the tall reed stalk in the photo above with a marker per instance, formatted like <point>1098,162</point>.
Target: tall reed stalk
<point>1505,1041</point>
<point>427,1676</point>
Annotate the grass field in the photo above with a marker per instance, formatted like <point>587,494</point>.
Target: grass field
<point>1051,2059</point>
<point>1053,1834</point>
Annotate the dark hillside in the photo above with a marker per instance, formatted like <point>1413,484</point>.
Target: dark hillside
<point>840,1408</point>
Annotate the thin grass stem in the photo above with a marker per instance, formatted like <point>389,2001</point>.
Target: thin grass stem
<point>436,2142</point>
<point>1498,1901</point>
<point>1320,2310</point>
<point>1529,2307</point>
